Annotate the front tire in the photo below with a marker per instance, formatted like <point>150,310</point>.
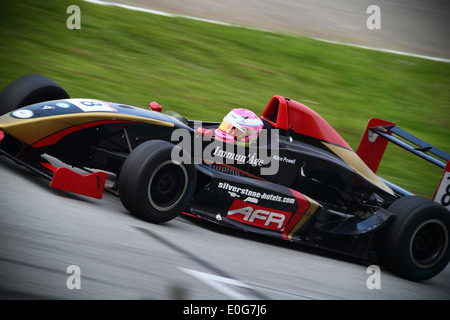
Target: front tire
<point>152,186</point>
<point>29,89</point>
<point>415,245</point>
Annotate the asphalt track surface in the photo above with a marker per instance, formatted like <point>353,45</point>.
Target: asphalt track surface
<point>412,26</point>
<point>44,231</point>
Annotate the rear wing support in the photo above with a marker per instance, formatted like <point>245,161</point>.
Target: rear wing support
<point>380,132</point>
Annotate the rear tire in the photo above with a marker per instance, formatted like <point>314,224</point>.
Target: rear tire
<point>415,245</point>
<point>152,186</point>
<point>29,89</point>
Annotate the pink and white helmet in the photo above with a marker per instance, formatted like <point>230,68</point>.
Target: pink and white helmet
<point>239,126</point>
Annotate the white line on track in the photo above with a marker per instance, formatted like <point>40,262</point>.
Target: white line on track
<point>219,283</point>
<point>167,14</point>
<point>386,50</point>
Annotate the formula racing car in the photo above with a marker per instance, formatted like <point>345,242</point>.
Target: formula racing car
<point>286,173</point>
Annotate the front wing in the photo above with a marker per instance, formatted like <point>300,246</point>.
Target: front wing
<point>62,178</point>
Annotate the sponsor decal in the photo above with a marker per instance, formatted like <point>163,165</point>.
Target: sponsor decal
<point>47,107</point>
<point>257,155</point>
<point>258,216</point>
<point>442,195</point>
<point>63,105</point>
<point>88,105</point>
<point>250,199</point>
<point>235,192</point>
<point>251,159</point>
<point>22,114</point>
<point>248,211</point>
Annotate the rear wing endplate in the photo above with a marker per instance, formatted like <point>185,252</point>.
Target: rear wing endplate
<point>380,132</point>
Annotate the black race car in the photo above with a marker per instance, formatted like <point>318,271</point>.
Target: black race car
<point>300,181</point>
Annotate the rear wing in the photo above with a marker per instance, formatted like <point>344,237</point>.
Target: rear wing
<point>380,132</point>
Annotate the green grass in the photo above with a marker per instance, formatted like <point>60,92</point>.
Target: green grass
<point>202,70</point>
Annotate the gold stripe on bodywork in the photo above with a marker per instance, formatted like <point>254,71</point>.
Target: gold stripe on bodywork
<point>34,129</point>
<point>313,205</point>
<point>355,162</point>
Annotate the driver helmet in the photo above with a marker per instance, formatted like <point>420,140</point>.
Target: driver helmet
<point>240,126</point>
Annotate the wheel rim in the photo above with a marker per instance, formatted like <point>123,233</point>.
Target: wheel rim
<point>167,185</point>
<point>429,243</point>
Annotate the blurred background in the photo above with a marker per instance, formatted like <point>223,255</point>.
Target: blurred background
<point>406,25</point>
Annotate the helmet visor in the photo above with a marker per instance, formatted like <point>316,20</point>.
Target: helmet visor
<point>232,129</point>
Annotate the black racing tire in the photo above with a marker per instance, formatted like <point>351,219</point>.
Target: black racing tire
<point>415,244</point>
<point>29,89</point>
<point>152,186</point>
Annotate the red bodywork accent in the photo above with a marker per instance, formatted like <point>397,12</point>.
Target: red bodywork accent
<point>49,166</point>
<point>258,216</point>
<point>2,135</point>
<point>269,218</point>
<point>155,106</point>
<point>191,215</point>
<point>55,137</point>
<point>90,185</point>
<point>206,133</point>
<point>371,148</point>
<point>289,114</point>
<point>303,206</point>
<point>276,113</point>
